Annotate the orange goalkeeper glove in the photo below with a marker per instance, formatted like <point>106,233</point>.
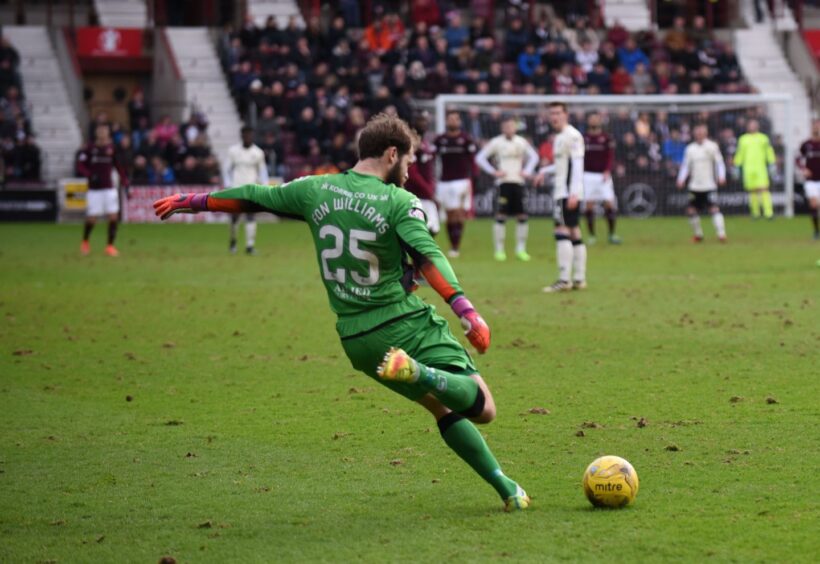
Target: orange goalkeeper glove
<point>180,203</point>
<point>475,328</point>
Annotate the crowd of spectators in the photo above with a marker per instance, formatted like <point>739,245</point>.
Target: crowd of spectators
<point>304,87</point>
<point>20,155</point>
<point>160,152</point>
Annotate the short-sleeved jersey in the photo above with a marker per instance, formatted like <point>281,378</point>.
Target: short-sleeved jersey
<point>568,145</point>
<point>456,153</point>
<point>810,153</point>
<point>702,160</point>
<point>422,174</point>
<point>97,163</point>
<point>362,229</point>
<point>512,156</point>
<point>599,152</point>
<point>243,165</point>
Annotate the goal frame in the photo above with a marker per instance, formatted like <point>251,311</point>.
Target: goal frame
<point>790,144</point>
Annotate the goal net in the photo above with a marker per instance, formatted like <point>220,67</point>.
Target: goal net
<point>650,134</point>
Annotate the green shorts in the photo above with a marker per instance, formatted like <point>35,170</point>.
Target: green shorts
<point>424,335</point>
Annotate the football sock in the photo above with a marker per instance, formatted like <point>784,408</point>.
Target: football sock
<point>590,213</point>
<point>754,204</point>
<point>694,221</point>
<point>579,260</point>
<point>87,230</point>
<point>610,219</point>
<point>814,222</point>
<point>719,223</point>
<point>454,234</point>
<point>234,227</point>
<point>458,229</point>
<point>466,441</point>
<point>112,232</point>
<point>522,232</point>
<point>499,233</point>
<point>768,209</point>
<point>564,255</point>
<point>456,391</point>
<point>250,233</point>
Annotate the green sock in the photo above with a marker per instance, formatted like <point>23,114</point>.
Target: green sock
<point>466,440</point>
<point>456,391</point>
<point>768,209</point>
<point>754,204</point>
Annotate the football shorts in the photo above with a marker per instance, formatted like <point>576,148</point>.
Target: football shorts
<point>102,202</point>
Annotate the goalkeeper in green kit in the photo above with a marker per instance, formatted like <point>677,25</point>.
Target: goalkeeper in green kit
<point>756,159</point>
<point>365,227</point>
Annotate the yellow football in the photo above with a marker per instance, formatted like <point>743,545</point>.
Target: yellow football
<point>610,481</point>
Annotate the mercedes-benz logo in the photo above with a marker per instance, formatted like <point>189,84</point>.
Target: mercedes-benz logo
<point>640,200</point>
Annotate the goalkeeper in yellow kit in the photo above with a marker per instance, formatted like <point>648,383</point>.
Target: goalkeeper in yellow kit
<point>755,157</point>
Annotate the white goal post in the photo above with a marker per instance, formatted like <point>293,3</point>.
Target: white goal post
<point>776,108</point>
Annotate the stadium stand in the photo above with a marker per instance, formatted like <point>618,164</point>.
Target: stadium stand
<point>21,159</point>
<point>304,85</point>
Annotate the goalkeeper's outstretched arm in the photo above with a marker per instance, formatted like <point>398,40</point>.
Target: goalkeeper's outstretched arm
<point>417,242</point>
<point>287,200</point>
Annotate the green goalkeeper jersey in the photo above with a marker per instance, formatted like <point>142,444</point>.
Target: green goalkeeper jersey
<point>364,231</point>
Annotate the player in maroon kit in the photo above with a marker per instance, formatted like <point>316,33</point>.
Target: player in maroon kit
<point>97,162</point>
<point>810,163</point>
<point>456,150</point>
<point>598,161</point>
<point>421,181</point>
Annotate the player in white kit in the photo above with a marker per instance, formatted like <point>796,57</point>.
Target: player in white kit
<point>245,165</point>
<point>567,195</point>
<point>515,161</point>
<point>704,167</point>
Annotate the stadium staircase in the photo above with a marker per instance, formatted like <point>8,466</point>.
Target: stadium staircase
<point>205,86</point>
<point>766,68</point>
<point>122,13</point>
<point>259,10</point>
<point>634,15</point>
<point>52,116</point>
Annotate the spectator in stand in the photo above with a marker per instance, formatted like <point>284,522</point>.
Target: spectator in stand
<point>139,172</point>
<point>426,11</point>
<point>307,131</point>
<point>191,172</point>
<point>586,56</point>
<point>674,147</point>
<point>125,155</point>
<point>515,39</point>
<point>608,56</point>
<point>378,37</point>
<point>676,38</point>
<point>340,152</point>
<point>600,78</point>
<point>699,33</point>
<point>165,130</point>
<point>630,56</point>
<point>140,134</point>
<point>621,81</point>
<point>456,34</point>
<point>528,61</point>
<point>422,52</point>
<point>23,161</point>
<point>351,11</point>
<point>642,82</point>
<point>617,34</point>
<point>160,172</point>
<point>137,109</point>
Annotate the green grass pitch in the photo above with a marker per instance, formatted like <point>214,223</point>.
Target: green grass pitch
<point>180,401</point>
